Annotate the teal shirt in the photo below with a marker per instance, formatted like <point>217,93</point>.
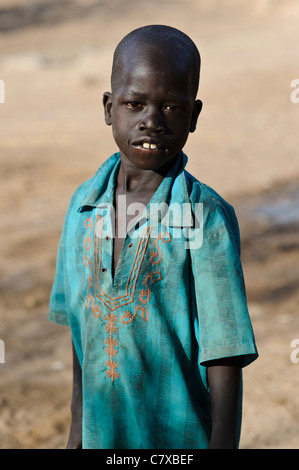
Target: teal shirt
<point>176,300</point>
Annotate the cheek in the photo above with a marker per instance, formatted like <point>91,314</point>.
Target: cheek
<point>119,131</point>
<point>181,132</point>
<point>121,126</point>
<point>179,125</point>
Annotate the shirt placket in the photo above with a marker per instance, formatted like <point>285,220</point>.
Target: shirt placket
<point>104,243</point>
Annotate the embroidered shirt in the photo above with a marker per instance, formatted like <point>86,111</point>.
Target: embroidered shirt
<point>176,300</point>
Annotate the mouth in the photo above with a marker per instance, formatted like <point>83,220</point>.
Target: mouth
<point>149,146</point>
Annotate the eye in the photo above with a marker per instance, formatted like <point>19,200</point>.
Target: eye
<point>170,107</point>
<point>134,104</point>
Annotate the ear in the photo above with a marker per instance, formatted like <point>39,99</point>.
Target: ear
<point>107,103</point>
<point>195,113</point>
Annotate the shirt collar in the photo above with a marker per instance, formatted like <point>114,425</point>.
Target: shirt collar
<point>173,192</point>
<point>102,184</point>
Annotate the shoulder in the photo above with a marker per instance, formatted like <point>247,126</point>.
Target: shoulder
<point>201,192</point>
<point>218,214</point>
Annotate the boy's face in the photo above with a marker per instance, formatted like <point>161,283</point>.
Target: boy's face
<point>152,108</point>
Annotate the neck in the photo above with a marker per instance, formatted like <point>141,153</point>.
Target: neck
<point>133,179</point>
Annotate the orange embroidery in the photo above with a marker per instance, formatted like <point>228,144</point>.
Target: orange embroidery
<point>153,276</point>
<point>166,238</point>
<point>116,302</point>
<point>90,302</point>
<point>111,371</point>
<point>87,239</point>
<point>112,303</point>
<point>128,317</point>
<point>111,342</point>
<point>87,263</point>
<point>153,256</point>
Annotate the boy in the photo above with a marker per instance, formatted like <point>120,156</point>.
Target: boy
<point>156,302</point>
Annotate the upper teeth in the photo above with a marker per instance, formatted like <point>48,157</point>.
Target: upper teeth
<point>146,145</point>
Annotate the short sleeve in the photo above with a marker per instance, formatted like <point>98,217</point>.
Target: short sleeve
<point>224,324</point>
<point>57,307</point>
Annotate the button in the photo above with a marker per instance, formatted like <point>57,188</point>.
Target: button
<point>104,270</point>
<point>108,238</point>
<point>130,245</point>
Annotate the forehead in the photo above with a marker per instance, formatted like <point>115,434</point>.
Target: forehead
<point>153,65</point>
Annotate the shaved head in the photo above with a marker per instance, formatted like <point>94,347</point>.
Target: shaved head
<point>163,40</point>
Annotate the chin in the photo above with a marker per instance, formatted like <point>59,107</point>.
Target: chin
<point>153,166</point>
<point>148,160</point>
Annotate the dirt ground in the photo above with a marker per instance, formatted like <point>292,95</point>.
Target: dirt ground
<point>55,59</point>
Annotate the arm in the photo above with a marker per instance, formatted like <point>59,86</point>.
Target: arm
<point>224,383</point>
<point>75,437</point>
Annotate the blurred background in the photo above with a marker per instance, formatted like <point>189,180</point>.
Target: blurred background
<point>55,59</point>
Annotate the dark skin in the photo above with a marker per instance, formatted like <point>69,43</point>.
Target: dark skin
<point>75,437</point>
<point>153,103</point>
<point>224,383</point>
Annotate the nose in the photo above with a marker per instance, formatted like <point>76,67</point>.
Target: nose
<point>152,121</point>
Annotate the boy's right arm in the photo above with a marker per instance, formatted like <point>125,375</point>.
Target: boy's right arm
<point>75,437</point>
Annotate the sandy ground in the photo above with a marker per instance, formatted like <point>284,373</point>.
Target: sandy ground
<point>55,59</point>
